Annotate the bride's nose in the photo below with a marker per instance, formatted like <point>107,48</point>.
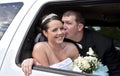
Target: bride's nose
<point>61,31</point>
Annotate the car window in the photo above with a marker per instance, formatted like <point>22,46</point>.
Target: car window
<point>7,13</point>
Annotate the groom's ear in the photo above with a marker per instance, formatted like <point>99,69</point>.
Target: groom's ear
<point>45,33</point>
<point>80,26</point>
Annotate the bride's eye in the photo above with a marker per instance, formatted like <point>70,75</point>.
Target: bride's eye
<point>54,30</point>
<point>61,28</point>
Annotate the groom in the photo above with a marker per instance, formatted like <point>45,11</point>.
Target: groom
<point>103,46</point>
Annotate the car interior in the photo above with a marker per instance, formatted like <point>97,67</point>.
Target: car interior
<point>100,16</point>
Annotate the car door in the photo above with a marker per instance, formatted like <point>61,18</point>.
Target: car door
<point>24,29</point>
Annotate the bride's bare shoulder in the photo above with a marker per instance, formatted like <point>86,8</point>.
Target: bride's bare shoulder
<point>40,45</point>
<point>71,46</point>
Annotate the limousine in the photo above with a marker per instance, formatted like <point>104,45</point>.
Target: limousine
<point>20,19</point>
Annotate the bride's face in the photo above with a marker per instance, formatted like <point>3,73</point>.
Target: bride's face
<point>55,32</point>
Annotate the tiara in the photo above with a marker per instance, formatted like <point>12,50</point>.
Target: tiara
<point>48,16</point>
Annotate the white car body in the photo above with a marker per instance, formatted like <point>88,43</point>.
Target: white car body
<point>13,38</point>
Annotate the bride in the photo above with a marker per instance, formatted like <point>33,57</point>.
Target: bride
<point>54,51</point>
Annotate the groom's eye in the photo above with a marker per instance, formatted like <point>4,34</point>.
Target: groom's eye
<point>68,23</point>
<point>54,30</point>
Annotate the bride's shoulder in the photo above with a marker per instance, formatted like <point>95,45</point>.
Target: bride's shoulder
<point>40,45</point>
<point>70,45</point>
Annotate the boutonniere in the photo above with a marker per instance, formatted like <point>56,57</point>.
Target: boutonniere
<point>91,53</point>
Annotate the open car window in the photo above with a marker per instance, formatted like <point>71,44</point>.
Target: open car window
<point>99,16</point>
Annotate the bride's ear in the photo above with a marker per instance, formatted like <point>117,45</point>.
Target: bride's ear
<point>45,33</point>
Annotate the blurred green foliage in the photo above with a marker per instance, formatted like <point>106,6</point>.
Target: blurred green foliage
<point>113,32</point>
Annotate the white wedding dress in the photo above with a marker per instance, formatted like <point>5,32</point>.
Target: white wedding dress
<point>66,64</point>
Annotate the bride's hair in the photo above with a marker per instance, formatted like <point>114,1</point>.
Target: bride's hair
<point>48,17</point>
<point>44,24</point>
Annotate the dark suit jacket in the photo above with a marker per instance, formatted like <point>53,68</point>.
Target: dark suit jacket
<point>105,49</point>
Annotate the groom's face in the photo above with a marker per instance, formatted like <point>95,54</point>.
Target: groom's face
<point>70,26</point>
